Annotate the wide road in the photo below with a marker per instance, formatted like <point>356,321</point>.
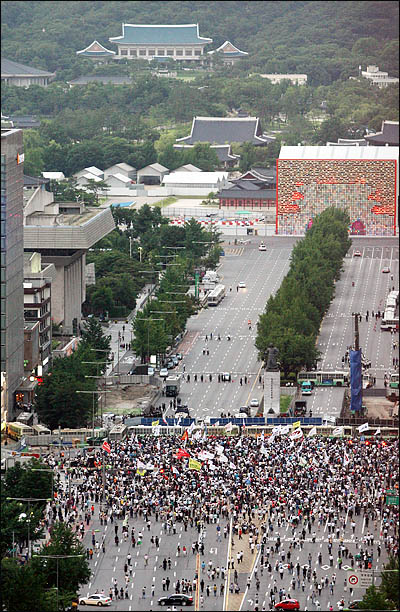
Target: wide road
<point>371,288</point>
<point>262,272</point>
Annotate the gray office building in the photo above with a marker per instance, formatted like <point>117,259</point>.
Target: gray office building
<point>12,269</point>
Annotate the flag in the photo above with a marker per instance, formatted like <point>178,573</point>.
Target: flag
<point>239,444</point>
<point>185,436</point>
<point>191,428</point>
<point>140,465</point>
<point>296,434</point>
<point>338,432</point>
<point>263,450</point>
<point>285,429</point>
<point>271,439</point>
<point>140,472</point>
<point>198,435</point>
<point>232,466</point>
<point>312,432</point>
<point>223,458</point>
<point>155,423</point>
<point>262,436</point>
<point>378,431</point>
<point>296,424</point>
<point>329,419</point>
<point>181,453</point>
<point>219,449</point>
<point>364,427</point>
<point>194,465</point>
<point>228,427</point>
<point>302,461</point>
<point>149,466</point>
<point>276,431</point>
<point>106,447</point>
<point>346,459</point>
<point>156,430</point>
<point>174,470</point>
<point>158,444</point>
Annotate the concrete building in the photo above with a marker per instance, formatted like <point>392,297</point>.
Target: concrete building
<point>38,278</point>
<point>118,180</point>
<point>152,174</point>
<point>194,183</point>
<point>20,75</point>
<point>362,180</point>
<point>161,42</point>
<point>62,233</point>
<point>378,77</point>
<point>121,168</point>
<point>295,79</point>
<point>12,269</point>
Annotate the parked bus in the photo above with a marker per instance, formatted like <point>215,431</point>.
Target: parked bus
<point>216,295</point>
<point>26,418</point>
<point>18,430</point>
<point>325,378</point>
<point>394,381</point>
<point>118,432</point>
<point>389,320</point>
<point>41,430</point>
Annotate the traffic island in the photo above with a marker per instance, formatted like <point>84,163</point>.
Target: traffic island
<point>244,568</point>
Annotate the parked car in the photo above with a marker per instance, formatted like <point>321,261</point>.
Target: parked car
<point>163,372</point>
<point>170,364</point>
<point>179,356</point>
<point>178,599</point>
<point>288,604</point>
<point>95,600</point>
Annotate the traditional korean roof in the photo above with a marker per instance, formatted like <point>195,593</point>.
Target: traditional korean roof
<point>139,34</point>
<point>258,174</point>
<point>225,130</point>
<point>229,50</point>
<point>389,134</point>
<point>223,151</point>
<point>261,194</point>
<point>29,181</point>
<point>95,49</point>
<point>13,69</point>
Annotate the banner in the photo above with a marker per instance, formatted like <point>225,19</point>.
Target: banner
<point>338,431</point>
<point>355,381</point>
<point>276,430</point>
<point>296,434</point>
<point>378,431</point>
<point>302,461</point>
<point>194,465</point>
<point>296,424</point>
<point>312,432</point>
<point>106,447</point>
<point>228,427</point>
<point>364,427</point>
<point>285,429</point>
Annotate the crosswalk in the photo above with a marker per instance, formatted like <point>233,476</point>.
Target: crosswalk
<point>234,251</point>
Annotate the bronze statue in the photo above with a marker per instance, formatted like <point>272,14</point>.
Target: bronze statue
<point>272,363</point>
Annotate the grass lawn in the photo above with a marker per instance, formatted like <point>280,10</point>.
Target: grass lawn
<point>285,403</point>
<point>165,202</point>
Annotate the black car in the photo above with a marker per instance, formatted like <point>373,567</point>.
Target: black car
<point>176,600</point>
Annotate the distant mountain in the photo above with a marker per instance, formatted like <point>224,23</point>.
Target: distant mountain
<point>326,40</point>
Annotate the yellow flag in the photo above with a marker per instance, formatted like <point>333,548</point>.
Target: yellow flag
<point>296,424</point>
<point>194,465</point>
<point>141,472</point>
<point>155,423</point>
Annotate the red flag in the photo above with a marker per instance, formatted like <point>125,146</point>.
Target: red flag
<point>182,453</point>
<point>106,447</point>
<point>185,436</point>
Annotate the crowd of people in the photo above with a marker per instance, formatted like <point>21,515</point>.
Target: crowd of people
<point>310,485</point>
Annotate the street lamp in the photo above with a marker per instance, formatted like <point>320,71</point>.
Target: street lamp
<point>57,558</point>
<point>29,500</point>
<point>140,249</point>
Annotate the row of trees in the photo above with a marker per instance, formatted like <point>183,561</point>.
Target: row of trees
<point>57,402</point>
<point>293,315</point>
<point>32,587</point>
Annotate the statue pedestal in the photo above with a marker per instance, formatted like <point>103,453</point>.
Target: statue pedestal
<point>272,392</point>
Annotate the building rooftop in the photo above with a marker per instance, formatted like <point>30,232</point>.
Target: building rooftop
<point>160,34</point>
<point>95,49</point>
<point>229,50</point>
<point>389,134</point>
<point>194,177</point>
<point>225,130</point>
<point>155,166</point>
<point>10,68</point>
<point>30,181</point>
<point>339,152</point>
<point>122,166</point>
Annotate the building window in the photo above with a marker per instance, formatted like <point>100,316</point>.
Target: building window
<point>232,202</point>
<point>133,52</point>
<point>142,52</point>
<point>197,51</point>
<point>151,51</point>
<point>160,51</point>
<point>188,52</point>
<point>170,51</point>
<point>179,52</point>
<point>240,203</point>
<point>124,52</point>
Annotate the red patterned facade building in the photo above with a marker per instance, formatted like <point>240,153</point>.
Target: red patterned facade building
<point>361,180</point>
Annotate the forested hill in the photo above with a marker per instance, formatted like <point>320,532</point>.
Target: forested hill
<point>326,40</point>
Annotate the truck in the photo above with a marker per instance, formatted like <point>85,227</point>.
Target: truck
<point>210,276</point>
<point>306,387</point>
<point>172,386</point>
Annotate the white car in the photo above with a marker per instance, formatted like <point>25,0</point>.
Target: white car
<point>254,403</point>
<point>242,285</point>
<point>262,247</point>
<point>164,372</point>
<point>95,600</point>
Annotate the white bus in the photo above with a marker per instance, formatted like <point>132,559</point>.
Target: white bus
<point>40,430</point>
<point>216,295</point>
<point>389,320</point>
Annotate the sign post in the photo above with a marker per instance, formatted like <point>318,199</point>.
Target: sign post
<point>360,579</point>
<point>392,497</point>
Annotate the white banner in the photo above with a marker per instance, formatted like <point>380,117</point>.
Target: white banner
<point>296,434</point>
<point>338,431</point>
<point>364,427</point>
<point>312,432</point>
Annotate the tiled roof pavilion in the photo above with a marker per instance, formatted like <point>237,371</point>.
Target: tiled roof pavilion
<point>160,34</point>
<point>95,50</point>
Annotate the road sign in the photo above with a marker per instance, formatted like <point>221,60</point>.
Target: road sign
<point>360,579</point>
<point>392,497</point>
